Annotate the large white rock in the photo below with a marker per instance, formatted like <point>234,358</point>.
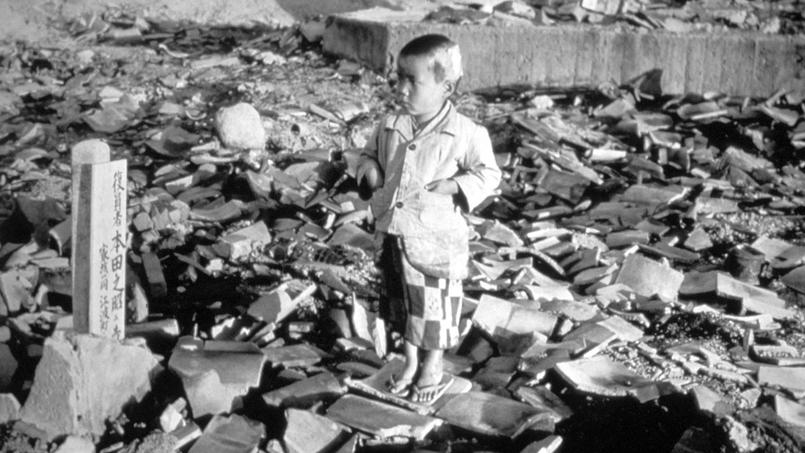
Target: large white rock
<point>82,380</point>
<point>9,407</point>
<point>240,127</point>
<point>75,444</point>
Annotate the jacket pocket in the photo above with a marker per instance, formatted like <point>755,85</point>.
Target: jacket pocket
<point>438,211</point>
<point>442,254</point>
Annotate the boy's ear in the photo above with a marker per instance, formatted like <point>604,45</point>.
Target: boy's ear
<point>449,87</point>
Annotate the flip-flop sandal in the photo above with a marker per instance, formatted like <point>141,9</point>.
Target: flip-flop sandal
<point>399,387</point>
<point>435,391</point>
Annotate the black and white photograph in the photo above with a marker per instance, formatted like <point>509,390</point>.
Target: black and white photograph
<point>392,226</point>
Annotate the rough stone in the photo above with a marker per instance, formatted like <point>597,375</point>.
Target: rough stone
<point>600,375</point>
<point>308,432</point>
<point>9,408</point>
<point>321,387</point>
<point>380,419</point>
<point>229,434</point>
<point>502,318</point>
<point>795,279</point>
<point>648,277</point>
<point>297,355</point>
<point>246,240</point>
<point>8,367</point>
<point>273,306</point>
<point>494,415</point>
<point>548,445</point>
<point>240,127</point>
<point>789,378</point>
<point>83,380</point>
<point>215,373</point>
<point>790,411</point>
<point>75,444</point>
<point>752,298</point>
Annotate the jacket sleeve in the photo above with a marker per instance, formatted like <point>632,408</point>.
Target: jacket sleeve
<point>479,175</point>
<point>370,151</point>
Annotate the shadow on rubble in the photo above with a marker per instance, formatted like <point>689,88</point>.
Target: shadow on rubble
<point>626,425</point>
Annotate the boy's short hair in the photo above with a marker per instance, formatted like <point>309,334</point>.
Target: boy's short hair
<point>444,54</point>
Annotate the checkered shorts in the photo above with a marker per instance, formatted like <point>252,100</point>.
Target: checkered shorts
<point>425,309</point>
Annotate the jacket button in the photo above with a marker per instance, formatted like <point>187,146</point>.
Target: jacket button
<point>399,204</point>
<point>412,146</point>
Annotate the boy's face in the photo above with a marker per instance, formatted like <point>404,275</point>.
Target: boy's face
<point>419,92</point>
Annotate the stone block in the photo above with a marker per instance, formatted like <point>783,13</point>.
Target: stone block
<point>157,286</point>
<point>501,318</point>
<point>8,367</point>
<point>308,432</point>
<point>648,277</point>
<point>788,378</point>
<point>708,400</point>
<point>298,355</point>
<point>230,434</point>
<point>548,445</point>
<point>795,279</point>
<point>15,291</point>
<point>381,419</point>
<point>241,243</point>
<point>790,411</point>
<point>600,375</point>
<point>159,334</point>
<point>273,306</point>
<point>752,298</point>
<point>83,380</point>
<point>75,444</point>
<point>544,400</point>
<point>321,387</point>
<point>9,408</point>
<point>376,386</point>
<point>563,55</point>
<point>215,373</point>
<point>493,415</point>
<point>497,372</point>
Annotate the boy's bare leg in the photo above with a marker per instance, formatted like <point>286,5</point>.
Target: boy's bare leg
<point>430,375</point>
<point>405,378</point>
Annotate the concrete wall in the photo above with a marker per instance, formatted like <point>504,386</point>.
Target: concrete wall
<point>585,55</point>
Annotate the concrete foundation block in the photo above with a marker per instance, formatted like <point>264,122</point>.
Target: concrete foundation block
<point>581,55</point>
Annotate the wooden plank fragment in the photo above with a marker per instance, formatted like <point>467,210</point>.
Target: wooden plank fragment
<point>375,386</point>
<point>499,317</point>
<point>493,415</point>
<point>381,419</point>
<point>100,244</point>
<point>790,378</point>
<point>321,387</point>
<point>790,411</point>
<point>602,376</point>
<point>648,277</point>
<point>308,432</point>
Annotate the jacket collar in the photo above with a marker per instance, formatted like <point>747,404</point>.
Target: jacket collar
<point>446,122</point>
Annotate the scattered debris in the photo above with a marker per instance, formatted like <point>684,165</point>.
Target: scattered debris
<point>642,250</point>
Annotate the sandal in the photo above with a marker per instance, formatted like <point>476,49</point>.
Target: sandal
<point>399,387</point>
<point>427,394</point>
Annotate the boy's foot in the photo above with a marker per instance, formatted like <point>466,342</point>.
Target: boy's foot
<point>400,386</point>
<point>427,394</point>
<point>400,383</point>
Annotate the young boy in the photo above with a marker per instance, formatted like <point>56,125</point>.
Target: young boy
<point>426,165</point>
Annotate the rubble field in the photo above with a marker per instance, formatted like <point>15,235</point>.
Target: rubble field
<point>636,284</point>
